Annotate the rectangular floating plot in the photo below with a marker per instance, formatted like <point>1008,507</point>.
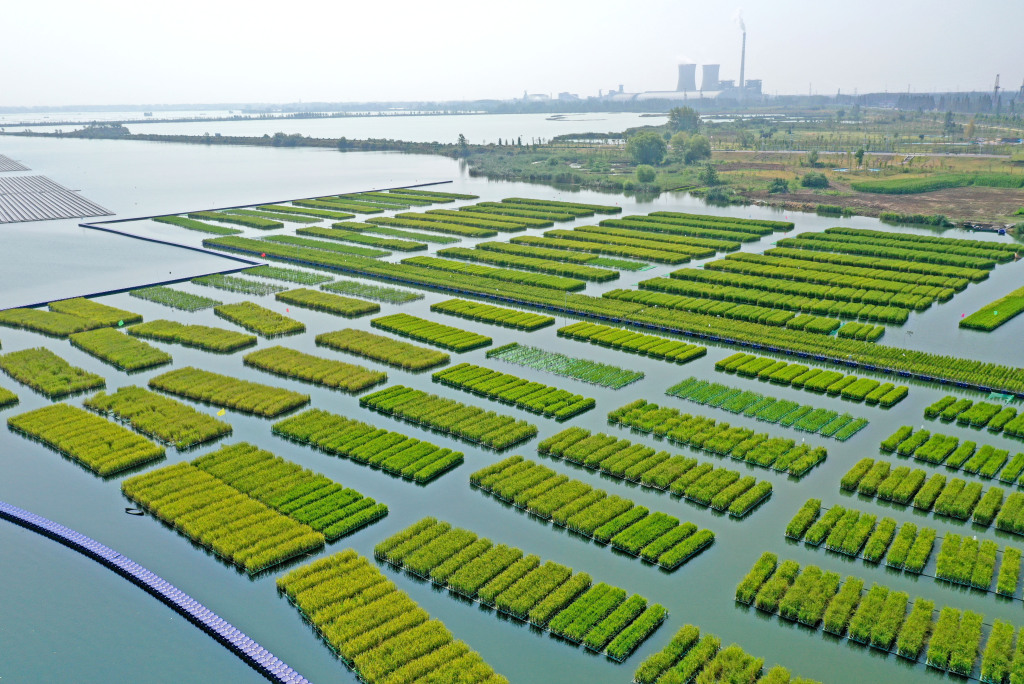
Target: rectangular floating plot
<point>37,198</point>
<point>8,164</point>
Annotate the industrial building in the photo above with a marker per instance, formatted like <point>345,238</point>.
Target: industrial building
<point>711,87</point>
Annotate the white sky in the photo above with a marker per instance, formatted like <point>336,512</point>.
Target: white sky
<point>61,52</point>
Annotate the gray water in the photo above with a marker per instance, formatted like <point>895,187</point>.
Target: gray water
<point>64,613</point>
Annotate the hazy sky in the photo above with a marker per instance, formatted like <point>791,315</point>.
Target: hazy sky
<point>190,51</point>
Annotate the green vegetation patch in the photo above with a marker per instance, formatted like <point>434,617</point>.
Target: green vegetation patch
<point>488,313</point>
<point>200,226</point>
<point>233,284</point>
<point>117,349</point>
<point>378,293</point>
<point>392,452</point>
<point>259,320</point>
<point>567,366</point>
<point>241,220</point>
<point>760,449</point>
<point>384,349</point>
<point>331,303</point>
<point>201,336</point>
<point>339,233</point>
<point>444,336</point>
<point>991,316</point>
<point>377,630</point>
<point>531,396</point>
<point>288,275</point>
<point>447,415</point>
<point>638,343</point>
<point>159,417</point>
<point>655,537</point>
<point>549,595</point>
<point>318,370</point>
<point>720,488</point>
<point>222,390</point>
<point>101,446</point>
<point>176,299</point>
<point>47,373</point>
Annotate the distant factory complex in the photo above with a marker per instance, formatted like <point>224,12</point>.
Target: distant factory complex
<point>712,87</point>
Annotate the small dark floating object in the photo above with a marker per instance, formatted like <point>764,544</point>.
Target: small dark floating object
<point>133,511</point>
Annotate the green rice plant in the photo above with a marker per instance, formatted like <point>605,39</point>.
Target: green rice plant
<point>933,410</point>
<point>889,620</point>
<point>431,194</point>
<point>119,350</point>
<point>444,336</point>
<point>999,421</point>
<point>693,662</point>
<point>920,550</point>
<point>222,390</point>
<point>1009,572</point>
<point>327,372</point>
<point>292,244</point>
<point>304,211</point>
<point>101,446</point>
<point>258,319</point>
<point>377,629</point>
<point>46,322</point>
<point>879,541</point>
<point>468,422</point>
<point>502,274</point>
<point>47,373</point>
<point>916,629</point>
<point>272,216</point>
<point>201,336</point>
<point>955,409</point>
<point>851,480</point>
<point>571,207</point>
<point>568,270</point>
<point>384,349</point>
<point>926,496</point>
<point>567,366</point>
<point>476,311</point>
<point>979,415</point>
<point>7,398</point>
<point>837,615</point>
<point>233,284</point>
<point>242,220</point>
<point>303,495</point>
<point>159,417</point>
<point>964,648</point>
<point>176,299</point>
<point>340,203</point>
<point>502,223</point>
<point>612,248</point>
<point>392,452</point>
<point>803,519</point>
<point>998,655</point>
<point>200,226</point>
<point>772,591</point>
<point>449,228</point>
<point>531,396</point>
<point>339,232</point>
<point>91,310</point>
<point>658,538</point>
<point>375,292</point>
<point>288,275</point>
<point>412,236</point>
<point>657,663</point>
<point>988,318</point>
<point>331,303</point>
<point>649,345</point>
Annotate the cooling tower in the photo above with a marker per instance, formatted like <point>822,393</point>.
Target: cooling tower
<point>687,78</point>
<point>709,77</point>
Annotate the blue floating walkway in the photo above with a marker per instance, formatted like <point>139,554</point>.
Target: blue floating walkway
<point>259,658</point>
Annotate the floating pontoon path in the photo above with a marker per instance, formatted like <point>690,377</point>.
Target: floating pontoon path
<point>37,198</point>
<point>260,659</point>
<point>8,164</point>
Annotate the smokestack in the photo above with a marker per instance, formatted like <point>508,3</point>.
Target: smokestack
<point>743,62</point>
<point>687,78</point>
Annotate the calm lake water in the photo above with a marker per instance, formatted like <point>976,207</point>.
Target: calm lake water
<point>56,594</point>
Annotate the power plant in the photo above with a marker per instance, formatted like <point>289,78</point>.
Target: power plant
<point>712,87</point>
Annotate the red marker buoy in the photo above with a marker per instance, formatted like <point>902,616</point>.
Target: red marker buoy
<point>263,255</point>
